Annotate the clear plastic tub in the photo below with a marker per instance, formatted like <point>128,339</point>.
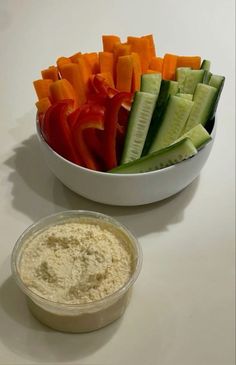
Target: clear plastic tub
<point>77,318</point>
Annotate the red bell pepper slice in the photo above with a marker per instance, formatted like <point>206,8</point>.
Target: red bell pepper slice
<point>103,89</point>
<point>111,124</point>
<point>56,131</point>
<point>89,116</point>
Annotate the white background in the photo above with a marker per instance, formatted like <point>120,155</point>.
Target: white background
<point>182,309</point>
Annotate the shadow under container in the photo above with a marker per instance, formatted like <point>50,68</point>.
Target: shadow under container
<point>76,318</point>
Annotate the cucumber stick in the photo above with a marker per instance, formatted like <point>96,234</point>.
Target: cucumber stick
<point>167,88</point>
<point>198,135</point>
<point>165,157</point>
<point>185,96</point>
<point>172,123</point>
<point>216,81</point>
<point>188,79</point>
<point>151,83</point>
<point>138,124</point>
<point>206,65</point>
<point>204,100</point>
<point>181,73</point>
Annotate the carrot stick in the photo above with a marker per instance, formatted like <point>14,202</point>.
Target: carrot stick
<point>109,41</point>
<point>156,64</point>
<point>169,66</point>
<point>42,88</point>
<point>50,73</point>
<point>140,46</point>
<point>85,72</point>
<point>74,57</point>
<point>62,89</point>
<point>121,49</point>
<point>106,62</point>
<point>137,72</point>
<point>149,71</point>
<point>124,72</point>
<point>43,105</point>
<point>152,50</point>
<point>92,61</point>
<point>72,73</point>
<point>189,61</point>
<point>63,61</point>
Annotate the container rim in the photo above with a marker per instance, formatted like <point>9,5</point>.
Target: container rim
<point>64,216</point>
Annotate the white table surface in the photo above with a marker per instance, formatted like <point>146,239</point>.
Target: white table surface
<point>182,309</point>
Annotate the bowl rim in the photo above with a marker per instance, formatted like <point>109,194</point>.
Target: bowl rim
<point>120,175</point>
<point>67,215</point>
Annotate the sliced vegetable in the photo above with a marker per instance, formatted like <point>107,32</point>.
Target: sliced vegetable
<point>192,78</point>
<point>193,62</point>
<point>206,65</point>
<point>204,101</point>
<point>56,131</point>
<point>109,41</point>
<point>111,124</point>
<point>216,81</point>
<point>43,105</point>
<point>89,116</point>
<point>151,83</point>
<point>198,135</point>
<point>124,73</point>
<point>185,96</point>
<point>140,46</point>
<point>62,89</point>
<point>139,121</point>
<point>50,73</point>
<point>165,157</point>
<point>172,123</point>
<point>42,88</point>
<point>156,64</point>
<point>92,61</point>
<point>72,73</point>
<point>106,62</point>
<point>137,72</point>
<point>167,88</point>
<point>169,66</point>
<point>151,46</point>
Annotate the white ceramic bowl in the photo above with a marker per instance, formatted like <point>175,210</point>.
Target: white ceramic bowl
<point>125,189</point>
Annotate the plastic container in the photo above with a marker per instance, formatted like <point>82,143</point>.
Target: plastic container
<point>77,318</point>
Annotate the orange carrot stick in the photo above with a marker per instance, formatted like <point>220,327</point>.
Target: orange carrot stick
<point>109,41</point>
<point>149,71</point>
<point>152,49</point>
<point>156,64</point>
<point>121,49</point>
<point>74,57</point>
<point>43,105</point>
<point>124,72</point>
<point>137,72</point>
<point>140,46</point>
<point>62,89</point>
<point>189,61</point>
<point>72,73</point>
<point>92,61</point>
<point>50,73</point>
<point>85,72</point>
<point>42,88</point>
<point>169,66</point>
<point>106,62</point>
<point>63,61</point>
